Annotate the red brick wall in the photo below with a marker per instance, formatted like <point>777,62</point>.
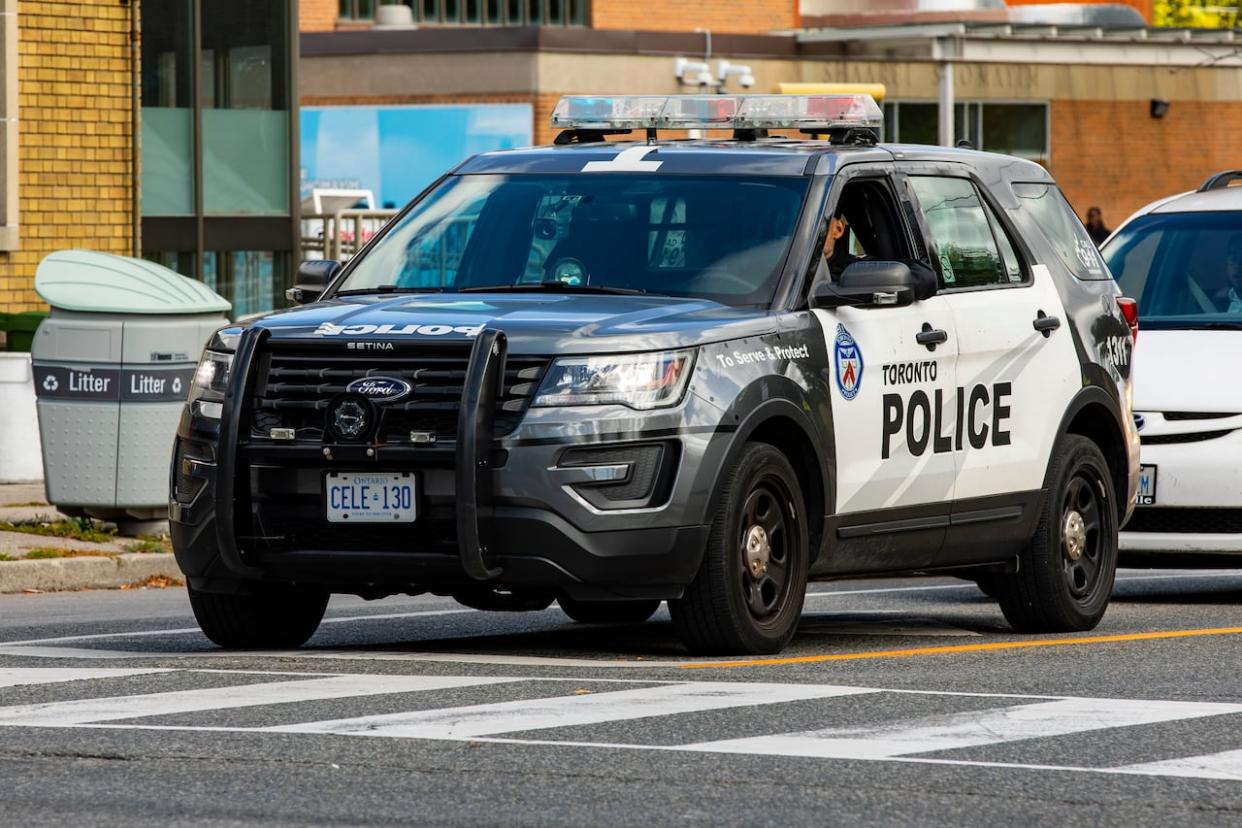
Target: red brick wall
<point>1114,155</point>
<point>1143,6</point>
<point>317,15</point>
<point>738,16</point>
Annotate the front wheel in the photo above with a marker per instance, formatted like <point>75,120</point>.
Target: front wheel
<point>748,593</point>
<point>272,619</point>
<point>1065,574</point>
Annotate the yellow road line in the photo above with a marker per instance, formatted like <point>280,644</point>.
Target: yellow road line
<point>967,648</point>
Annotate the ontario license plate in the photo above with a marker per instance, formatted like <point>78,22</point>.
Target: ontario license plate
<point>1147,485</point>
<point>370,497</point>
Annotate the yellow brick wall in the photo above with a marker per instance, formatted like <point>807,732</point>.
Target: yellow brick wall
<point>75,182</point>
<point>317,15</point>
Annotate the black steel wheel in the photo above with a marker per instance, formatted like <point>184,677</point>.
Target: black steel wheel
<point>1065,574</point>
<point>608,612</point>
<point>748,593</point>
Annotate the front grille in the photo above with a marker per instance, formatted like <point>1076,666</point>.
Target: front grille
<point>1197,437</point>
<point>1185,521</point>
<point>296,386</point>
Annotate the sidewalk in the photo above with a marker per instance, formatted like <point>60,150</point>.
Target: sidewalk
<point>43,550</point>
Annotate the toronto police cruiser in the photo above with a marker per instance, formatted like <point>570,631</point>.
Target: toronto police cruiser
<point>610,373</point>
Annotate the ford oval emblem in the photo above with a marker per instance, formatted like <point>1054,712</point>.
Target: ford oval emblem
<point>380,389</point>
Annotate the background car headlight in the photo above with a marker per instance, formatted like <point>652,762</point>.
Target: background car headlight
<point>641,381</point>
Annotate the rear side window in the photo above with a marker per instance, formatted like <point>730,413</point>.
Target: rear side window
<point>971,249</point>
<point>1062,228</point>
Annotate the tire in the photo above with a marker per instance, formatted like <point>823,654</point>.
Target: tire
<point>276,619</point>
<point>728,608</point>
<point>1065,577</point>
<point>608,612</point>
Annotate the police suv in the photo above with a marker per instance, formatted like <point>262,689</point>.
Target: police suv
<point>611,373</point>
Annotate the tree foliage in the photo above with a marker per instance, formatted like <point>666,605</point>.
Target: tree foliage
<point>1198,14</point>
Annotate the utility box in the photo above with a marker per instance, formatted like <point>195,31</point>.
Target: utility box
<point>112,367</point>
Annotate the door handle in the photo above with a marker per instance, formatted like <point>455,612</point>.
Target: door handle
<point>930,337</point>
<point>1045,324</point>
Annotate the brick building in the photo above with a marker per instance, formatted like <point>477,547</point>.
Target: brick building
<point>66,135</point>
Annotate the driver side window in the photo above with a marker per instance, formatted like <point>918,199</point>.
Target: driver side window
<point>868,226</point>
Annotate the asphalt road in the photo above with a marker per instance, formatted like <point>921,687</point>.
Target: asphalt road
<point>900,702</point>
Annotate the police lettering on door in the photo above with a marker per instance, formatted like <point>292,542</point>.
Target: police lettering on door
<point>976,416</point>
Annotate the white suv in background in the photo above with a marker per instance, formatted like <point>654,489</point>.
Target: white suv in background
<point>1181,258</point>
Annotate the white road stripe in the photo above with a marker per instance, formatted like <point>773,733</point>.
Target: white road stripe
<point>1224,765</point>
<point>970,729</point>
<point>85,711</point>
<point>23,676</point>
<point>569,711</point>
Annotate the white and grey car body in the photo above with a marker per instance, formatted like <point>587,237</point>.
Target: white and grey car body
<point>913,454</point>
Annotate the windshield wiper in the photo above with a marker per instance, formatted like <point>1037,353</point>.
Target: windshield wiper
<point>554,287</point>
<point>387,289</point>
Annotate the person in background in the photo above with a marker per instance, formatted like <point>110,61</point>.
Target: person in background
<point>1095,226</point>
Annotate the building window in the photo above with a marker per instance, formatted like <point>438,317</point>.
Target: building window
<point>1019,129</point>
<point>8,125</point>
<point>357,9</point>
<point>480,12</point>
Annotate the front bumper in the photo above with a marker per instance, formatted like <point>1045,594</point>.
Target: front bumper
<point>519,512</point>
<point>1198,496</point>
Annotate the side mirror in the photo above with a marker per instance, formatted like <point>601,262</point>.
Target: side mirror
<point>311,280</point>
<point>868,284</point>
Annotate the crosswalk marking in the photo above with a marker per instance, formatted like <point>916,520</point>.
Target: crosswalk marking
<point>568,711</point>
<point>18,676</point>
<point>969,729</point>
<point>918,740</point>
<point>85,711</point>
<point>1224,765</point>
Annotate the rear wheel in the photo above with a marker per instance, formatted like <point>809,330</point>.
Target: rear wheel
<point>272,619</point>
<point>1065,574</point>
<point>748,593</point>
<point>608,612</point>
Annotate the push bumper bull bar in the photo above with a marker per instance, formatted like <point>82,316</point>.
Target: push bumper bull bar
<point>474,447</point>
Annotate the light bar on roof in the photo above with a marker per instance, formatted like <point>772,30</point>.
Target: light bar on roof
<point>806,112</point>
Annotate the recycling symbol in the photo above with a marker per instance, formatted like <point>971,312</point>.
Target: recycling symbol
<point>50,383</point>
<point>176,385</point>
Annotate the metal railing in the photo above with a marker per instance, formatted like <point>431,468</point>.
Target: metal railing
<point>341,234</point>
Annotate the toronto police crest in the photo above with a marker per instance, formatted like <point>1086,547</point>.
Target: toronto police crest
<point>848,357</point>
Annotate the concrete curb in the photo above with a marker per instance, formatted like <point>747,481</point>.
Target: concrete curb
<point>51,574</point>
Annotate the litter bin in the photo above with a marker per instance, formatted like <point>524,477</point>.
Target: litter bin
<point>112,368</point>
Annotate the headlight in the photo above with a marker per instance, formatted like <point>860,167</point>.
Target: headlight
<point>641,381</point>
<point>211,378</point>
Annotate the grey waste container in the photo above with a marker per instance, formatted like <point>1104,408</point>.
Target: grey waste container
<point>112,367</point>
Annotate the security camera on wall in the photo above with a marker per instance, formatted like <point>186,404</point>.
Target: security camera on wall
<point>726,70</point>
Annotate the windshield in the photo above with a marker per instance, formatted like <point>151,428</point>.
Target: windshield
<point>719,237</point>
<point>1185,269</point>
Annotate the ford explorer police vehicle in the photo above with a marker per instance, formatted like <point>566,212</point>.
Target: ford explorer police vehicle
<point>613,373</point>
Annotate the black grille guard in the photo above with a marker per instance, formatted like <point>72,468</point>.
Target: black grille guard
<point>475,436</point>
<point>484,378</point>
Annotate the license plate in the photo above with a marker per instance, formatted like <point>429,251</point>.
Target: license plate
<point>370,497</point>
<point>1147,485</point>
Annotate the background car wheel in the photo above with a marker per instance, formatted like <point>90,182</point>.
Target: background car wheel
<point>748,593</point>
<point>1065,574</point>
<point>608,612</point>
<point>276,619</point>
